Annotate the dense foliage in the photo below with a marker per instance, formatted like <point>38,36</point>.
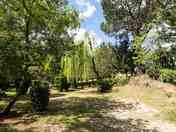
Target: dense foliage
<point>32,32</point>
<point>137,18</point>
<point>154,72</point>
<point>104,85</point>
<point>168,75</point>
<point>105,59</point>
<point>132,15</point>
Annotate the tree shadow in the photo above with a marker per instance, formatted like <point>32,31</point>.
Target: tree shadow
<point>22,106</point>
<point>110,124</point>
<point>90,114</point>
<point>7,128</point>
<point>83,106</point>
<point>85,113</point>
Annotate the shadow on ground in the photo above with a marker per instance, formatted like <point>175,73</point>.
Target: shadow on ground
<point>82,106</point>
<point>9,128</point>
<point>110,124</point>
<point>76,114</point>
<point>90,114</point>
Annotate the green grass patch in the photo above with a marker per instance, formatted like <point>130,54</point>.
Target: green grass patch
<point>11,92</point>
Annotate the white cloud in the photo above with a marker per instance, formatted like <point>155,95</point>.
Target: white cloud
<point>89,12</point>
<point>79,35</point>
<point>88,9</point>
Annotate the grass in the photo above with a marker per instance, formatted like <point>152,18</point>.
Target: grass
<point>152,93</point>
<point>11,93</point>
<point>85,110</point>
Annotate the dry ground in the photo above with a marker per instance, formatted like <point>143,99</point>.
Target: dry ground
<point>143,105</point>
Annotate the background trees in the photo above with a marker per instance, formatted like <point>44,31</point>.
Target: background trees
<point>137,17</point>
<point>105,58</point>
<point>131,15</point>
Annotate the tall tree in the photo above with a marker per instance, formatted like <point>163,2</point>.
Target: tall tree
<point>29,32</point>
<point>76,64</point>
<point>136,17</point>
<point>105,59</point>
<point>131,15</point>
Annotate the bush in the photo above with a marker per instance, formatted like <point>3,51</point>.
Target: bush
<point>22,85</point>
<point>62,83</point>
<point>120,80</point>
<point>104,85</point>
<point>168,75</point>
<point>153,73</point>
<point>2,94</point>
<point>4,83</point>
<point>39,96</point>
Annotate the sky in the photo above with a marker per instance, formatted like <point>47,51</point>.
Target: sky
<point>91,15</point>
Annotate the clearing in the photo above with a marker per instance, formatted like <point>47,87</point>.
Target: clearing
<point>143,105</point>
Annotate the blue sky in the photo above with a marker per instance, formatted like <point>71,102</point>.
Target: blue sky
<point>91,14</point>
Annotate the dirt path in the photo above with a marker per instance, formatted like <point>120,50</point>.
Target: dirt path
<point>143,112</point>
<point>132,118</point>
<point>87,111</point>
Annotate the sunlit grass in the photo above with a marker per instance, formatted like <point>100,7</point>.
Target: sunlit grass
<point>147,93</point>
<point>153,96</point>
<point>69,109</point>
<point>11,92</point>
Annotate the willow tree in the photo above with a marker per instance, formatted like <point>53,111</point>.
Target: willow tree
<point>76,64</point>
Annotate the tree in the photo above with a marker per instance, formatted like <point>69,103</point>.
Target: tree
<point>29,32</point>
<point>138,51</point>
<point>172,54</point>
<point>123,53</point>
<point>105,59</point>
<point>76,64</point>
<point>164,57</point>
<point>131,15</point>
<point>136,17</point>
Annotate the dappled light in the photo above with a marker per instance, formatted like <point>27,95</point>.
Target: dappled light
<point>87,66</point>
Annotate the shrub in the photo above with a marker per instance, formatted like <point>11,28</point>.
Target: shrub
<point>2,94</point>
<point>4,83</point>
<point>167,75</point>
<point>39,96</point>
<point>62,83</point>
<point>121,80</point>
<point>22,85</point>
<point>153,73</point>
<point>104,85</point>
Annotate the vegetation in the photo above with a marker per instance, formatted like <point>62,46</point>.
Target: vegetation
<point>41,60</point>
<point>167,75</point>
<point>104,86</point>
<point>39,95</point>
<point>86,109</point>
<point>30,30</point>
